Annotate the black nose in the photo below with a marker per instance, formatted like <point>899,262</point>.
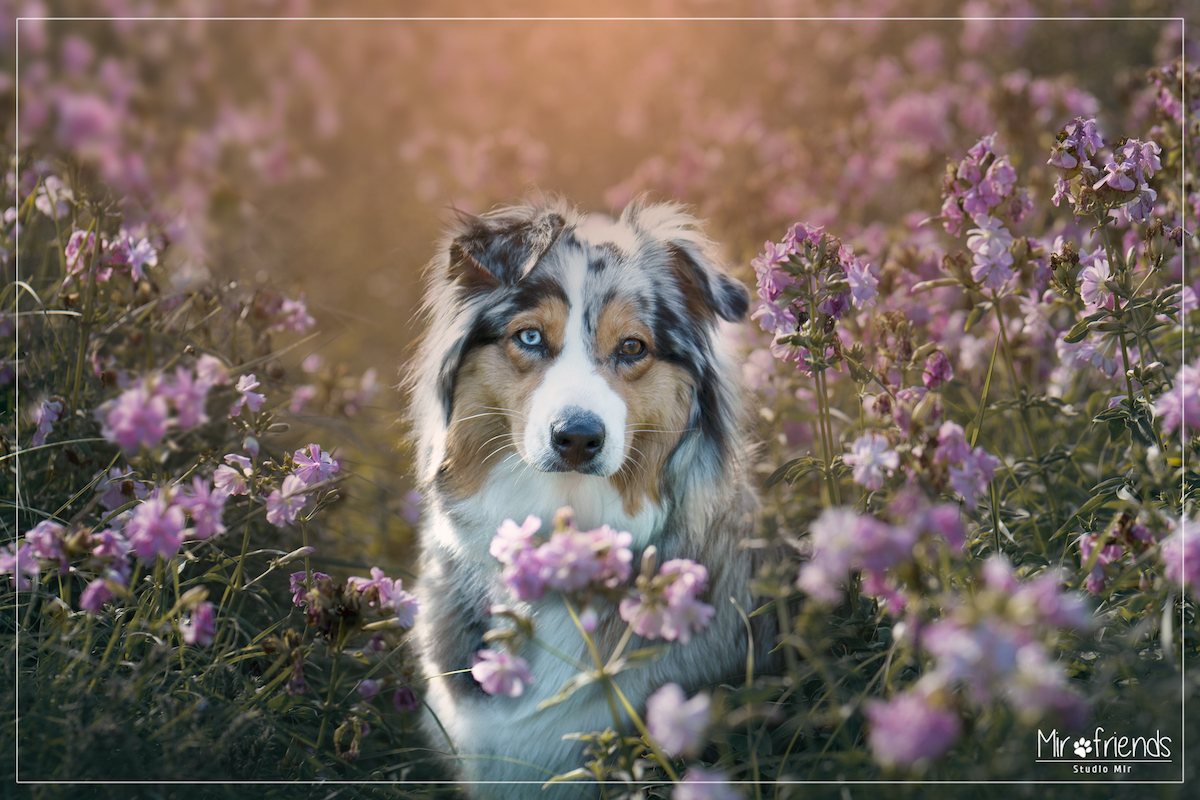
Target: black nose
<point>577,438</point>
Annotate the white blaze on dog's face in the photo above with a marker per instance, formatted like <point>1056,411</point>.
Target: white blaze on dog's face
<point>586,347</point>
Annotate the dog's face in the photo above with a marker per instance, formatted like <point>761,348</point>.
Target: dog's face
<point>582,345</point>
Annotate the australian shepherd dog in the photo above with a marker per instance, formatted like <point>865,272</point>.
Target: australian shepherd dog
<point>574,360</point>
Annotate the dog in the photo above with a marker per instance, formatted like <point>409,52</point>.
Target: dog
<point>574,360</point>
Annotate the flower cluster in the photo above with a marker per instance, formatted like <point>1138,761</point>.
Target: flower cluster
<point>841,540</point>
<point>1124,181</point>
<point>141,415</point>
<point>124,253</point>
<point>667,606</point>
<point>335,608</point>
<point>1104,550</point>
<point>570,561</point>
<point>1180,554</point>
<point>981,184</point>
<point>993,648</point>
<point>805,284</point>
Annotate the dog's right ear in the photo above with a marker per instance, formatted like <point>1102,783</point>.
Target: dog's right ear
<point>499,249</point>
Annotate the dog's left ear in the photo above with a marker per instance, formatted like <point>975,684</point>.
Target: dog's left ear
<point>499,249</point>
<point>706,289</point>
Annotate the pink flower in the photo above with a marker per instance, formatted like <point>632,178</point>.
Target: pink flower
<point>293,316</point>
<point>95,595</point>
<point>44,417</point>
<point>972,479</point>
<point>20,564</point>
<point>952,445</point>
<point>231,479</point>
<point>501,673</point>
<point>46,540</point>
<point>137,418</point>
<point>676,613</point>
<point>938,370</point>
<point>1091,283</point>
<point>990,242</point>
<point>909,728</point>
<point>205,506</point>
<point>676,723</point>
<point>118,488</point>
<point>285,503</point>
<point>200,627</point>
<point>704,784</point>
<point>863,283</point>
<point>251,399</point>
<point>1179,407</point>
<point>313,466</point>
<point>870,456</point>
<point>156,528</point>
<point>188,395</point>
<point>211,371</point>
<point>511,538</point>
<point>296,582</point>
<point>1180,555</point>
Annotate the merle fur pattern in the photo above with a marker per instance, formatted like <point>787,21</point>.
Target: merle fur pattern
<point>489,268</point>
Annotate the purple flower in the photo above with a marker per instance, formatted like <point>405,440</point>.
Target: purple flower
<point>285,503</point>
<point>524,576</point>
<point>44,417</point>
<point>501,673</point>
<point>676,613</point>
<point>95,595</point>
<point>111,543</point>
<point>704,784</point>
<point>211,371</point>
<point>368,688</point>
<point>296,684</point>
<point>946,520</point>
<point>293,316</point>
<point>251,399</point>
<point>118,487</point>
<point>155,528</point>
<point>189,395</point>
<point>1179,407</point>
<point>952,445</point>
<point>775,319</point>
<point>313,466</point>
<point>938,370</point>
<point>832,537</point>
<point>871,457</point>
<point>46,540</point>
<point>676,723</point>
<point>231,479</point>
<point>20,564</point>
<point>200,627</point>
<point>909,729</point>
<point>137,418</point>
<point>405,699</point>
<point>511,538</point>
<point>296,583</point>
<point>990,242</point>
<point>971,480</point>
<point>1180,555</point>
<point>1091,283</point>
<point>205,506</point>
<point>1038,686</point>
<point>863,283</point>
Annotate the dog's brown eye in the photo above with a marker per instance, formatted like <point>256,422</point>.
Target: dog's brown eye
<point>632,348</point>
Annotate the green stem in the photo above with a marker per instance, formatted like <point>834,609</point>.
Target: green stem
<point>88,309</point>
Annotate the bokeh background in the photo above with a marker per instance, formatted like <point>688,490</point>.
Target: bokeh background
<point>323,155</point>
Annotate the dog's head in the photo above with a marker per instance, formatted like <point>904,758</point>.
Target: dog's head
<point>566,343</point>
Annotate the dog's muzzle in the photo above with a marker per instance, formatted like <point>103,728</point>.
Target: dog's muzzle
<point>576,437</point>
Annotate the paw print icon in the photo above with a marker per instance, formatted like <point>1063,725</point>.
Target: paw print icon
<point>1083,747</point>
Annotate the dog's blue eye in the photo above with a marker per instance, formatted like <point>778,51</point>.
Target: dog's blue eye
<point>530,337</point>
